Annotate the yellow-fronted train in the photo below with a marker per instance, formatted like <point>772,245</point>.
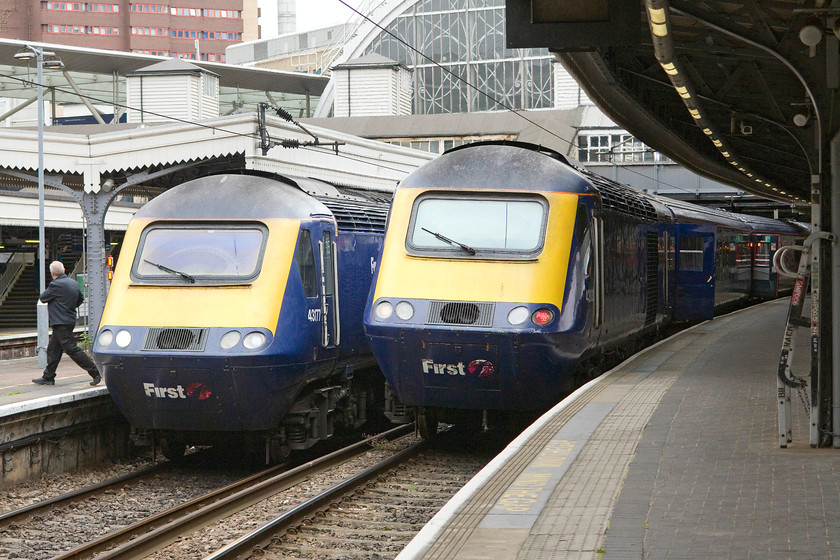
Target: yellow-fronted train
<point>235,314</point>
<point>510,272</point>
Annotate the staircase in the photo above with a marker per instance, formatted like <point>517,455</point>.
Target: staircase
<point>18,310</point>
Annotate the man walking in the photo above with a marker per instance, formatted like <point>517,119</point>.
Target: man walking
<point>62,297</point>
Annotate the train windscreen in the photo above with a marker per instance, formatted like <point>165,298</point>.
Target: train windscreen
<point>196,254</point>
<point>469,225</point>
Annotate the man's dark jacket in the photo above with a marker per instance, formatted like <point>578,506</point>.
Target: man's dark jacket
<point>63,296</point>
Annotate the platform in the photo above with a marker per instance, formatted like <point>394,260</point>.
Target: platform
<point>16,382</point>
<point>673,454</point>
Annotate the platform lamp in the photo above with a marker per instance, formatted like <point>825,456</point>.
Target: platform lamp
<point>44,59</point>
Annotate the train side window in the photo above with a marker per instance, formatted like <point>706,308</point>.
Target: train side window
<point>329,261</point>
<point>584,238</point>
<point>305,257</point>
<point>691,253</point>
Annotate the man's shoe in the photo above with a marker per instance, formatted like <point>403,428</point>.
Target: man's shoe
<point>43,381</point>
<point>96,380</point>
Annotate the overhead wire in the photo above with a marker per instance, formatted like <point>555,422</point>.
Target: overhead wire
<point>498,102</point>
<point>453,75</point>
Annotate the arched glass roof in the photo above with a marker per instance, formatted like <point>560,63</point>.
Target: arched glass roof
<point>466,40</point>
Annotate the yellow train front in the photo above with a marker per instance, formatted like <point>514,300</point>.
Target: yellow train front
<point>487,295</point>
<point>235,314</point>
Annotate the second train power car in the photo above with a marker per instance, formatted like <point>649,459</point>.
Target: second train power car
<point>507,269</point>
<point>235,313</point>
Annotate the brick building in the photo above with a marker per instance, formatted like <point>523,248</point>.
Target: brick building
<point>188,29</point>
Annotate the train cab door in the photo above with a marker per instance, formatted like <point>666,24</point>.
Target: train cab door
<point>327,255</point>
<point>695,273</point>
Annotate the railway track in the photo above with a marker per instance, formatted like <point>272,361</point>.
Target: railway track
<point>95,522</point>
<point>373,514</point>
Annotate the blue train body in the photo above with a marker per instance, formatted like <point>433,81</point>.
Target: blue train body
<point>235,313</point>
<point>507,270</point>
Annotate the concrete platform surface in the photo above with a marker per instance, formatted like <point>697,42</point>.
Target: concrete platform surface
<point>672,455</point>
<point>16,381</point>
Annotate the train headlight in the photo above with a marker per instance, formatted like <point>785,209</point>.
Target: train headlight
<point>518,315</point>
<point>384,310</point>
<point>230,339</point>
<point>253,340</point>
<point>106,337</point>
<point>542,316</point>
<point>123,338</point>
<point>404,310</point>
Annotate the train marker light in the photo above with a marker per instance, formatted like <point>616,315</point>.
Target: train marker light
<point>404,310</point>
<point>253,340</point>
<point>542,316</point>
<point>384,310</point>
<point>230,339</point>
<point>106,337</point>
<point>123,338</point>
<point>518,315</point>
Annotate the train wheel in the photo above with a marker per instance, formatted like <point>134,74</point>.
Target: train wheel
<point>173,449</point>
<point>427,423</point>
<point>276,453</point>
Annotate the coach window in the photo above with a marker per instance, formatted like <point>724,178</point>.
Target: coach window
<point>691,253</point>
<point>305,258</point>
<point>499,227</point>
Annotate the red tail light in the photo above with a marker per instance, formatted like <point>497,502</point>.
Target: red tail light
<point>542,316</point>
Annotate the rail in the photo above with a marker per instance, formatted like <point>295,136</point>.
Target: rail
<point>242,547</point>
<point>153,533</point>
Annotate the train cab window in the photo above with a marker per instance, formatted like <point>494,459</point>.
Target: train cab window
<point>200,254</point>
<point>498,227</point>
<point>305,258</point>
<point>691,253</point>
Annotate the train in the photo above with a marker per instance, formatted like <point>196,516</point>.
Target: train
<point>510,274</point>
<point>235,314</point>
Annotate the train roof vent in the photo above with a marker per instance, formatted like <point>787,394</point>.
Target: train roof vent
<point>179,339</point>
<point>357,216</point>
<point>622,198</point>
<point>475,314</point>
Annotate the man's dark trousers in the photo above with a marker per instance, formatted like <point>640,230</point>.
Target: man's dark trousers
<point>63,340</point>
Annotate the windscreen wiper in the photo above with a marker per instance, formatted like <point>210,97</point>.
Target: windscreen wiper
<point>186,276</point>
<point>466,248</point>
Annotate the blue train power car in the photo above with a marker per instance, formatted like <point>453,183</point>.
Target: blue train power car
<point>235,313</point>
<point>509,271</point>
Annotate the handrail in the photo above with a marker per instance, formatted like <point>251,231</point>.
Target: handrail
<point>14,268</point>
<point>77,268</point>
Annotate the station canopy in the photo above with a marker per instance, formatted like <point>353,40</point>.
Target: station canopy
<point>99,76</point>
<point>744,93</point>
